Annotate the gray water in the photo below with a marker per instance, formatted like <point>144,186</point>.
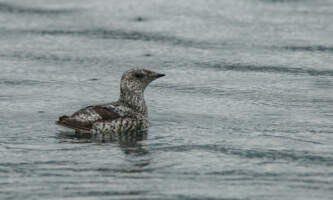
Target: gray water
<point>245,111</point>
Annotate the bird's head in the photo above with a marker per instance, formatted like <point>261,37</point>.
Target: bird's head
<point>136,80</point>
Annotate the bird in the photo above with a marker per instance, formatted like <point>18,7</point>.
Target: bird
<point>129,113</point>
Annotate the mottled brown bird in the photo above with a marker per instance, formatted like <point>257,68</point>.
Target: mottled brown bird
<point>127,114</point>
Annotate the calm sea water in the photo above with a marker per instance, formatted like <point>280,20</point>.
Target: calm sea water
<point>245,111</point>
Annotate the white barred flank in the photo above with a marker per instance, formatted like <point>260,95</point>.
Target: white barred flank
<point>121,125</point>
<point>89,115</point>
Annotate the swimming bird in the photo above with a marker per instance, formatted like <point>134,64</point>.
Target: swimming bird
<point>128,114</point>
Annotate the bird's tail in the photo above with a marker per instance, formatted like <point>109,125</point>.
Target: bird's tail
<point>72,123</point>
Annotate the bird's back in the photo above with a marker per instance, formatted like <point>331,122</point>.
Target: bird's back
<point>83,119</point>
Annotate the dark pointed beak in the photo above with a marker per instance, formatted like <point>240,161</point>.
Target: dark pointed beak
<point>159,75</point>
<point>155,75</point>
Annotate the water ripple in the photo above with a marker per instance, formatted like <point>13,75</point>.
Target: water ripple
<point>49,57</point>
<point>50,162</point>
<point>302,156</point>
<point>112,193</point>
<point>188,197</point>
<point>319,48</point>
<point>11,8</point>
<point>268,69</point>
<point>21,82</point>
<point>253,173</point>
<point>118,34</point>
<point>280,1</point>
<point>193,89</point>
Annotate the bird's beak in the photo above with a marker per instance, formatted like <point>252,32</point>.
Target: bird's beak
<point>155,75</point>
<point>159,75</point>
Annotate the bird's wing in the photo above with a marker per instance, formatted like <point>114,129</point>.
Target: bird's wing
<point>83,119</point>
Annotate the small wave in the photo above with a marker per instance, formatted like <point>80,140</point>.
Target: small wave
<point>280,1</point>
<point>11,8</point>
<point>298,156</point>
<point>309,48</point>
<point>124,35</point>
<point>192,89</point>
<point>50,57</point>
<point>99,193</point>
<point>270,69</point>
<point>282,155</point>
<point>291,138</point>
<point>20,82</point>
<point>50,162</point>
<point>190,197</point>
<point>268,174</point>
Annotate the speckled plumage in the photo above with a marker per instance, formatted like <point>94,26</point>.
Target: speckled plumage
<point>128,114</point>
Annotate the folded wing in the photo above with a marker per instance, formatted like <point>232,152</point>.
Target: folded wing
<point>83,119</point>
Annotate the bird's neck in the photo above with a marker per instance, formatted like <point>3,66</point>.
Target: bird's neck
<point>134,101</point>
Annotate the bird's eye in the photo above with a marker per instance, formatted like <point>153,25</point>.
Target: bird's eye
<point>139,75</point>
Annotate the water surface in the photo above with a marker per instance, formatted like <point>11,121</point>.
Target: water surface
<point>245,111</point>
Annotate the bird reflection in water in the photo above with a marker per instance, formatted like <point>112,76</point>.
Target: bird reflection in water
<point>137,159</point>
<point>129,143</point>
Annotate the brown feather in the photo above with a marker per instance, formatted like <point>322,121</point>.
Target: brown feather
<point>72,123</point>
<point>106,113</point>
